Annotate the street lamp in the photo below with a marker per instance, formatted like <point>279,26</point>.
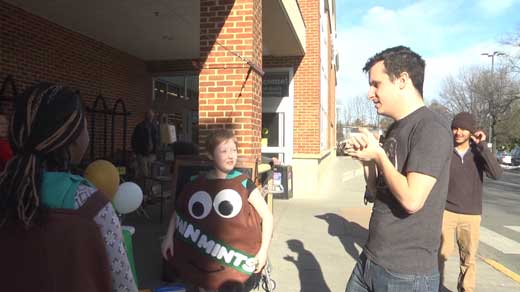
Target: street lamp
<point>492,56</point>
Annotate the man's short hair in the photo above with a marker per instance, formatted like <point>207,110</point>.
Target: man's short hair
<point>398,60</point>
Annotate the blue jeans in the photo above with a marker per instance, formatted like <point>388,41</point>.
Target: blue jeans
<point>367,276</point>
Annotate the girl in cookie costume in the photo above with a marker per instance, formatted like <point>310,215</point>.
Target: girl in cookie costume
<point>220,231</point>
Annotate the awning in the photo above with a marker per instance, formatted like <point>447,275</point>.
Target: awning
<point>164,29</point>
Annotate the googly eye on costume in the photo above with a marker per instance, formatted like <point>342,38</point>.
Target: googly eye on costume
<point>227,203</point>
<point>199,205</point>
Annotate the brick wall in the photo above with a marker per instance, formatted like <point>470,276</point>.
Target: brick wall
<point>229,89</point>
<point>165,66</point>
<point>307,85</point>
<point>331,125</point>
<point>33,48</point>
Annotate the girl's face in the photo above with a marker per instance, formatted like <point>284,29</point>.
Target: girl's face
<point>225,156</point>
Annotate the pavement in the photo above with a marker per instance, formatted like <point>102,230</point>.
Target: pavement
<point>316,239</point>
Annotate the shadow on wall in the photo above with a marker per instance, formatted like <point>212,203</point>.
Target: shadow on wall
<point>349,233</point>
<point>309,270</point>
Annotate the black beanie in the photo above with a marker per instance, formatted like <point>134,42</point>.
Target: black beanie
<point>464,120</point>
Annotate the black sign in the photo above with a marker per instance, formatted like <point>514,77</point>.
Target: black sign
<point>275,84</point>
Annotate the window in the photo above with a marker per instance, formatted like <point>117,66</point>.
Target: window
<point>272,129</point>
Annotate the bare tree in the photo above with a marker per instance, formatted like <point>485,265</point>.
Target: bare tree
<point>459,94</point>
<point>499,90</point>
<point>362,112</point>
<point>508,129</point>
<point>441,110</point>
<point>485,93</point>
<point>385,122</point>
<point>347,116</point>
<point>513,39</point>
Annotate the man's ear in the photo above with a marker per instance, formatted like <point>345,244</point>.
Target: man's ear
<point>210,156</point>
<point>403,79</point>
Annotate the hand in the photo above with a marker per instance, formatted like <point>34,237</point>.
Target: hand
<point>478,136</point>
<point>289,258</point>
<point>167,247</point>
<point>261,260</point>
<point>356,141</point>
<point>364,146</point>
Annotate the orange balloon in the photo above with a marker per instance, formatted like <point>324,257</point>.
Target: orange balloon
<point>104,176</point>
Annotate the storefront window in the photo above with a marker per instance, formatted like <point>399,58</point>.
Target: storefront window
<point>160,91</point>
<point>271,125</point>
<point>177,97</point>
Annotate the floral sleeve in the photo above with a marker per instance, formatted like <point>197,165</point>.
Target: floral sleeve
<point>108,222</point>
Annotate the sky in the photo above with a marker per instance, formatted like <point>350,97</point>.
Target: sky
<point>449,34</point>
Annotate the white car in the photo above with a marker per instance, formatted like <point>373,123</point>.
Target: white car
<point>504,157</point>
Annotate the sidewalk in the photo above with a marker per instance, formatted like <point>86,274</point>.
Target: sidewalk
<point>317,240</point>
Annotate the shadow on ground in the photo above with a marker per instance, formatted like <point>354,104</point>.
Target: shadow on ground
<point>349,233</point>
<point>309,269</point>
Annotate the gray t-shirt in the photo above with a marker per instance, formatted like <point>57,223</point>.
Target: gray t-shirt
<point>408,243</point>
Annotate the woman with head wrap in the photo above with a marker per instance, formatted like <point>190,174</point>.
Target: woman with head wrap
<point>42,205</point>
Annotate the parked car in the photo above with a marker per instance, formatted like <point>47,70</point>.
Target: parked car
<point>515,156</point>
<point>504,157</point>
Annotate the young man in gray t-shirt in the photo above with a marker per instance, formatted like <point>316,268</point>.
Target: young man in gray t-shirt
<point>408,175</point>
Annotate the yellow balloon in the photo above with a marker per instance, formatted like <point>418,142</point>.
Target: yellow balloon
<point>104,176</point>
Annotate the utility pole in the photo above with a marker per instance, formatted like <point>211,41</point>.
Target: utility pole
<point>491,118</point>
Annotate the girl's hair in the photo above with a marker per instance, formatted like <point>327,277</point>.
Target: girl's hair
<point>47,118</point>
<point>217,137</point>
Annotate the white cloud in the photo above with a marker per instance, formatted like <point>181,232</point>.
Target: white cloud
<point>422,27</point>
<point>495,7</point>
<point>440,66</point>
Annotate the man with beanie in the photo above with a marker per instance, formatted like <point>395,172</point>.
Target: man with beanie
<point>470,159</point>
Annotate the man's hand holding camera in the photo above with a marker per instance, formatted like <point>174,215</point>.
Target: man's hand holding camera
<point>364,147</point>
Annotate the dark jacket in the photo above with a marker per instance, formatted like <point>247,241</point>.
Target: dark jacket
<point>145,138</point>
<point>466,178</point>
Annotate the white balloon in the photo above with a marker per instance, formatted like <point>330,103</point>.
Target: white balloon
<point>129,197</point>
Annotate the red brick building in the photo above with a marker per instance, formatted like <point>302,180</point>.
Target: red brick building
<point>265,68</point>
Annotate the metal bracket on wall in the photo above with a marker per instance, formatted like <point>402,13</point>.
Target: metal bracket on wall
<point>252,65</point>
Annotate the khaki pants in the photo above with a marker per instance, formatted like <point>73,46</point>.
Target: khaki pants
<point>466,230</point>
<point>143,170</point>
<point>144,164</point>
